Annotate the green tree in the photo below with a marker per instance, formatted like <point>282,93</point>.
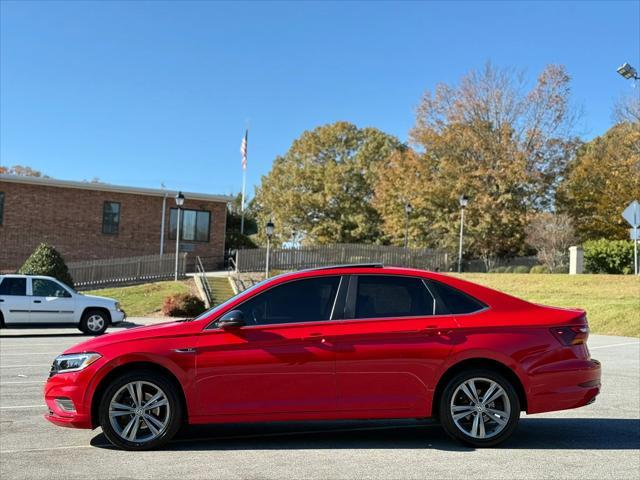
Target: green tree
<point>321,190</point>
<point>45,260</point>
<point>601,181</point>
<point>233,238</point>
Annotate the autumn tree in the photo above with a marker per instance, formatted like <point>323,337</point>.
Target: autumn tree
<point>22,170</point>
<point>494,141</point>
<point>321,190</point>
<point>551,235</point>
<point>601,182</point>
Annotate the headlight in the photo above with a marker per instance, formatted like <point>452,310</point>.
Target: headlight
<point>73,362</point>
<point>118,306</point>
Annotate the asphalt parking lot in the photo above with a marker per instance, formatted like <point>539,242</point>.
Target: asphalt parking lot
<point>598,441</point>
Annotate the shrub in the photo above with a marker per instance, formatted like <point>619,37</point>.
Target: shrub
<point>508,269</point>
<point>45,260</point>
<point>498,270</point>
<point>539,269</point>
<point>182,305</point>
<point>608,256</point>
<point>521,269</point>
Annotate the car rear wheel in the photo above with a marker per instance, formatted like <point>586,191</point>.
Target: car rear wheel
<point>94,322</point>
<point>140,411</point>
<point>479,407</point>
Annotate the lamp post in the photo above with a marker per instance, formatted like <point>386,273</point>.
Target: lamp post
<point>179,203</point>
<point>407,210</point>
<point>269,230</point>
<point>463,204</point>
<point>628,72</point>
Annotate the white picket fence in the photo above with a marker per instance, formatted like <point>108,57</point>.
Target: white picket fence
<point>129,270</point>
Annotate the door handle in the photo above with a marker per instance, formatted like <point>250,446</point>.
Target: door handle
<point>317,335</point>
<point>437,331</point>
<point>37,301</point>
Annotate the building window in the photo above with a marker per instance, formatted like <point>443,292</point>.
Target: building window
<point>194,225</point>
<point>110,218</point>
<point>1,206</point>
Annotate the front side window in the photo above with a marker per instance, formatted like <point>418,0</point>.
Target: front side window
<point>455,301</point>
<point>13,286</point>
<point>111,218</point>
<point>380,296</point>
<point>1,207</point>
<point>194,225</point>
<point>46,288</point>
<point>307,300</point>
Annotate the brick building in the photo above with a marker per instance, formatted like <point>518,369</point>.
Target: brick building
<point>86,221</point>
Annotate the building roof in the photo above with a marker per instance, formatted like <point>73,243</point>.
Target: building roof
<point>106,187</point>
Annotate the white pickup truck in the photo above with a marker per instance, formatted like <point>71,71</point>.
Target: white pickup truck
<point>31,300</point>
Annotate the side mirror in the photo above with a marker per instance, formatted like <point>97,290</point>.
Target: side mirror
<point>231,320</point>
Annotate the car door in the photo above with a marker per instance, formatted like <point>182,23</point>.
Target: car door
<point>51,302</point>
<point>389,347</point>
<point>277,363</point>
<point>14,303</point>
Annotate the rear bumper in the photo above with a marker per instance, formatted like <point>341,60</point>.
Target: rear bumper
<point>564,385</point>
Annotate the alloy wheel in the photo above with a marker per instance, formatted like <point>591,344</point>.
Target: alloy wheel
<point>139,412</point>
<point>95,323</point>
<point>480,408</point>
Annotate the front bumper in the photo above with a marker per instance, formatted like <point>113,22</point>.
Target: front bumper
<point>118,316</point>
<point>564,385</point>
<point>72,386</point>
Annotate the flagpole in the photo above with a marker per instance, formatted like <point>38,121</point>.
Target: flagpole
<point>243,149</point>
<point>244,183</point>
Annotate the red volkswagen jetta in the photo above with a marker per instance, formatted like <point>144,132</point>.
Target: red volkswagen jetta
<point>349,342</point>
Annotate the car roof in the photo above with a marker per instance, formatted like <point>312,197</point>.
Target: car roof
<point>24,275</point>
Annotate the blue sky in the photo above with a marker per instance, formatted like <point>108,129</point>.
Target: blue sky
<point>150,92</point>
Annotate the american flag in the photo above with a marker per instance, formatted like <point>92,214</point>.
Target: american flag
<point>243,149</point>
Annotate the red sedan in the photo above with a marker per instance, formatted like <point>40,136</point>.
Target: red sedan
<point>350,342</point>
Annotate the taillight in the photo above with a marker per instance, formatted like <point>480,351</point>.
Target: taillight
<point>571,335</point>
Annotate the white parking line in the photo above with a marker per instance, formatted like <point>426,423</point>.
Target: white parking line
<point>20,366</point>
<point>22,407</point>
<point>4,344</point>
<point>614,345</point>
<point>29,353</point>
<point>40,382</point>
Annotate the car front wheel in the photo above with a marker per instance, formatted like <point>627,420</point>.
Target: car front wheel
<point>140,411</point>
<point>480,408</point>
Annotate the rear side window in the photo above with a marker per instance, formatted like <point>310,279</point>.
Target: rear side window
<point>307,300</point>
<point>13,286</point>
<point>380,296</point>
<point>455,301</point>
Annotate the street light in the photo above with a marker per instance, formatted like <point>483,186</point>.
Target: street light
<point>463,204</point>
<point>269,230</point>
<point>628,72</point>
<point>179,203</point>
<point>407,210</point>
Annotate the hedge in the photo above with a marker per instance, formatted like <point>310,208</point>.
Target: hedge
<point>608,256</point>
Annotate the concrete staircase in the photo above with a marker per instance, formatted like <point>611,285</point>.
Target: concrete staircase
<point>220,288</point>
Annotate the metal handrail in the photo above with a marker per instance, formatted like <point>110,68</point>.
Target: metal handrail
<point>200,271</point>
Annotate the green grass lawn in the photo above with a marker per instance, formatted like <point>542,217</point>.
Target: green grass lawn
<point>144,300</point>
<point>612,302</point>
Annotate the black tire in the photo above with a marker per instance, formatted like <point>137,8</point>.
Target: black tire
<point>87,323</point>
<point>175,410</point>
<point>455,432</point>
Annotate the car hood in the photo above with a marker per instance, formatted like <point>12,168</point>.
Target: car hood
<point>163,329</point>
<point>100,299</point>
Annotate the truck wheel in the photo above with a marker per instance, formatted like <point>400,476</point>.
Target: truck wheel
<point>94,322</point>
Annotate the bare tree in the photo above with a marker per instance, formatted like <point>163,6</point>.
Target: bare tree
<point>551,235</point>
<point>627,109</point>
